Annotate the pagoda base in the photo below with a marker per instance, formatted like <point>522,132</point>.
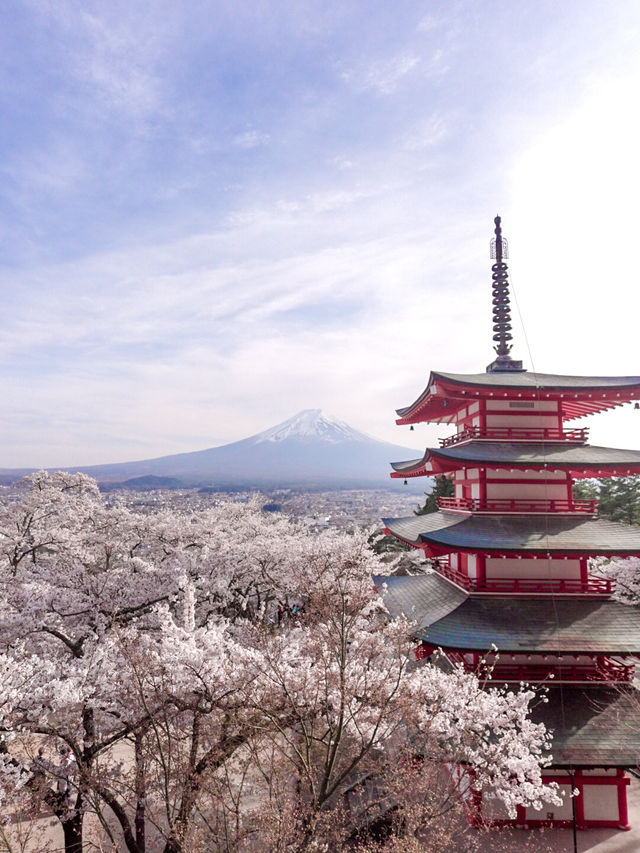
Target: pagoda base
<point>601,803</point>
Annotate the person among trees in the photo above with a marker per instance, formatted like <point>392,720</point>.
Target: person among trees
<point>65,773</point>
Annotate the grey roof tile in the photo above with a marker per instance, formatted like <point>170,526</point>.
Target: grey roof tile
<point>513,624</point>
<point>421,598</point>
<point>534,534</point>
<point>521,455</point>
<point>545,381</point>
<point>595,727</point>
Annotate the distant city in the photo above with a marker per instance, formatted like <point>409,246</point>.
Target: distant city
<point>343,509</point>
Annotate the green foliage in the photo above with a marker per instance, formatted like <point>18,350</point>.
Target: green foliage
<point>619,497</point>
<point>383,543</point>
<point>442,488</point>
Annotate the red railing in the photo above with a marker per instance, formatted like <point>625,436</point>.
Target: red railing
<point>517,434</point>
<point>612,670</point>
<point>502,506</point>
<point>521,586</point>
<point>602,669</point>
<point>560,673</point>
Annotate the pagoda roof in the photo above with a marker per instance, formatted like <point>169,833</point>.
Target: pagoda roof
<point>526,534</point>
<point>578,459</point>
<point>446,393</point>
<point>447,617</point>
<point>594,727</point>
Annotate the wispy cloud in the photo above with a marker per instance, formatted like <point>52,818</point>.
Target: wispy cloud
<point>251,139</point>
<point>382,76</point>
<point>213,220</point>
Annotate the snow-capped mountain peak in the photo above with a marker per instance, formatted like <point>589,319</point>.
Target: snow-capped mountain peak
<point>310,425</point>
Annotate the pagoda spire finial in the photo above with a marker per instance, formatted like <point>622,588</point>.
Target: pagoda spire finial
<point>501,310</point>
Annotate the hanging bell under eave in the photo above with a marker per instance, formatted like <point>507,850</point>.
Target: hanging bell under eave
<point>636,406</point>
<point>406,482</point>
<point>411,427</point>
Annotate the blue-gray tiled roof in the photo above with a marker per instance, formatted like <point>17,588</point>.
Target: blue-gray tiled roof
<point>534,534</point>
<point>445,616</point>
<point>597,727</point>
<point>521,455</point>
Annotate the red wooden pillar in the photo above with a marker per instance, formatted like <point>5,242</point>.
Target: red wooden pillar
<point>623,812</point>
<point>482,485</point>
<point>481,570</point>
<point>569,489</point>
<point>579,800</point>
<point>483,416</point>
<point>584,570</point>
<point>475,809</point>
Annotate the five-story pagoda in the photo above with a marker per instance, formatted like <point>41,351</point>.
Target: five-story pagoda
<point>511,554</point>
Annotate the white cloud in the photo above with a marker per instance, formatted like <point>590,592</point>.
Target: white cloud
<point>349,259</point>
<point>382,76</point>
<point>251,139</point>
<point>428,133</point>
<point>116,52</point>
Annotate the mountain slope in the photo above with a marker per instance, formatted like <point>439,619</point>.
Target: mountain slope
<point>309,449</point>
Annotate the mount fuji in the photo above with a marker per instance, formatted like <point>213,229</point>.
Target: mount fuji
<point>309,450</point>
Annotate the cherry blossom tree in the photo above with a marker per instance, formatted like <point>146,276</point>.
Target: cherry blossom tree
<point>224,678</point>
<point>362,710</point>
<point>626,574</point>
<point>72,571</point>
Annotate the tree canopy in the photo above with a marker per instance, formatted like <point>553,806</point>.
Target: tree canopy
<point>443,487</point>
<point>619,497</point>
<point>226,680</point>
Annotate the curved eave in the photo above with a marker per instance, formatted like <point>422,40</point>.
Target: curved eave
<point>539,457</point>
<point>444,616</point>
<point>445,394</point>
<point>517,626</point>
<point>532,536</point>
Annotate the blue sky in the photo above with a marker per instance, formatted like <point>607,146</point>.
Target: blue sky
<point>217,214</point>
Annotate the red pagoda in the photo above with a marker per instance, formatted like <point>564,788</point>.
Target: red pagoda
<point>510,552</point>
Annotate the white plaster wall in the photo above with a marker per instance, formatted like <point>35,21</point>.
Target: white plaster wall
<point>475,490</point>
<point>538,405</point>
<point>453,559</point>
<point>472,565</point>
<point>494,809</point>
<point>535,491</point>
<point>563,812</point>
<point>511,567</point>
<point>522,421</point>
<point>601,802</point>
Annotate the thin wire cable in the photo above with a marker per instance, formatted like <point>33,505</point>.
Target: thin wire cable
<point>546,486</point>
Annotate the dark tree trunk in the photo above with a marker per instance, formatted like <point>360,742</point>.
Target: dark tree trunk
<point>140,792</point>
<point>72,829</point>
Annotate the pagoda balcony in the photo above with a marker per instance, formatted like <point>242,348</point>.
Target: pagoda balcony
<point>507,506</point>
<point>602,670</point>
<point>527,586</point>
<point>528,434</point>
